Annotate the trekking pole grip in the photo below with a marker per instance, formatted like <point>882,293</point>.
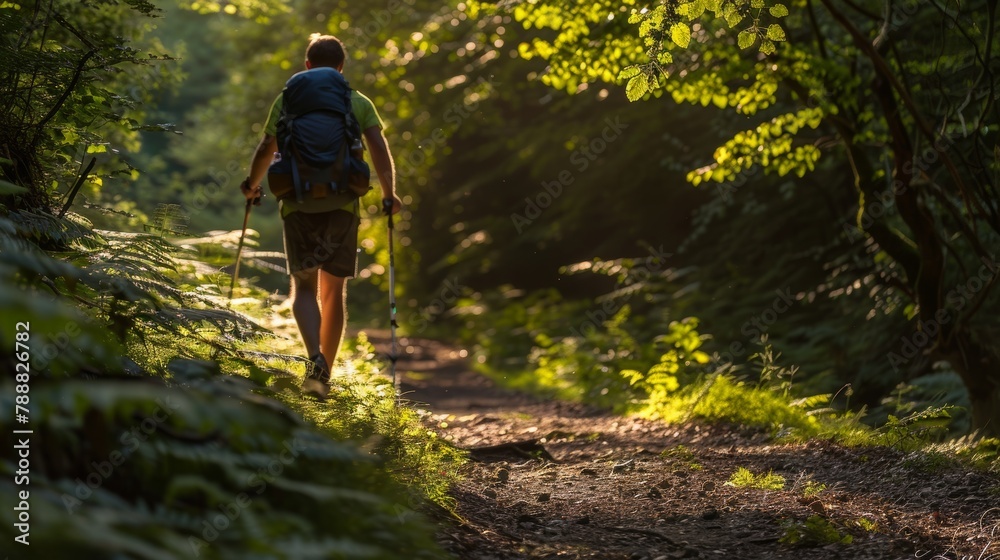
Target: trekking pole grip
<point>387,205</point>
<point>245,187</point>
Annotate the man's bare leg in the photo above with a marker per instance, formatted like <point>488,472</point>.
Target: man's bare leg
<point>333,301</point>
<point>306,310</point>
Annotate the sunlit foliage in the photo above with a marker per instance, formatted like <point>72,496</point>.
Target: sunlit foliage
<point>903,101</point>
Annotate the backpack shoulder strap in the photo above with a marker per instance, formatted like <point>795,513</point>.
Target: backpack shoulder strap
<point>351,135</point>
<point>287,147</point>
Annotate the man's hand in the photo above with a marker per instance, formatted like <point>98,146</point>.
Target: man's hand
<point>395,203</point>
<point>252,193</point>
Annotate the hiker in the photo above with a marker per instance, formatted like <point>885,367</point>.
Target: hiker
<point>321,226</point>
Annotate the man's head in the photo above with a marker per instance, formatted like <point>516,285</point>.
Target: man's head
<point>325,51</point>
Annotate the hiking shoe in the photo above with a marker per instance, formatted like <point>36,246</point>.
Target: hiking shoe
<point>318,370</point>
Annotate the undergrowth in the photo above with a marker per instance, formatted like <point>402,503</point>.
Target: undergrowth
<point>658,368</point>
<point>167,425</point>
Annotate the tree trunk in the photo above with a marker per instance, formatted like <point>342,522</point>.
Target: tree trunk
<point>977,362</point>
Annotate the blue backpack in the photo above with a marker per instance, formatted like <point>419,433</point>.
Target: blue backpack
<point>319,140</point>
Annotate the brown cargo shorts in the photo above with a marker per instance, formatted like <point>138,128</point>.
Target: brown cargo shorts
<point>327,240</point>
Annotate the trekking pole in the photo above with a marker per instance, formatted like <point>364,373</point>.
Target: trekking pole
<point>251,202</point>
<point>387,205</point>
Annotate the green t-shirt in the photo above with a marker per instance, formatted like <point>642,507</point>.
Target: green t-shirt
<point>367,117</point>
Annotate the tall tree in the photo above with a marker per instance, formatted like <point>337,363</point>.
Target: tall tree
<point>904,95</point>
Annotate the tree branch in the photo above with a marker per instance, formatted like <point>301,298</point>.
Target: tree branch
<point>65,95</point>
<point>820,43</point>
<point>890,241</point>
<point>76,187</point>
<point>885,73</point>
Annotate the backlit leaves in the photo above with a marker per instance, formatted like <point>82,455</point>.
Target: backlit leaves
<point>258,10</point>
<point>775,32</point>
<point>637,87</point>
<point>692,10</point>
<point>771,145</point>
<point>591,43</point>
<point>731,14</point>
<point>680,34</point>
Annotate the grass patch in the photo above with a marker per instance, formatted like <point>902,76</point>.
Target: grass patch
<point>361,407</point>
<point>813,489</point>
<point>930,461</point>
<point>678,453</point>
<point>867,525</point>
<point>744,478</point>
<point>816,530</point>
<point>682,455</point>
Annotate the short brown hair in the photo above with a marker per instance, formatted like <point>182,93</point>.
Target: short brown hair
<point>325,50</point>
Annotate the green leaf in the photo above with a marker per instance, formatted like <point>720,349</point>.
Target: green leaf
<point>745,39</point>
<point>766,46</point>
<point>680,34</point>
<point>628,72</point>
<point>733,18</point>
<point>636,88</point>
<point>775,32</point>
<point>778,10</point>
<point>10,188</point>
<point>693,10</point>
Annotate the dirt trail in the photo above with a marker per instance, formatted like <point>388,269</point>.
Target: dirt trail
<point>559,480</point>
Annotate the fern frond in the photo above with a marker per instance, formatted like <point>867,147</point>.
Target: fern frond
<point>51,231</point>
<point>223,320</point>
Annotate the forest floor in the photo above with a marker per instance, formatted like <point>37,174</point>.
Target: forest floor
<point>551,479</point>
